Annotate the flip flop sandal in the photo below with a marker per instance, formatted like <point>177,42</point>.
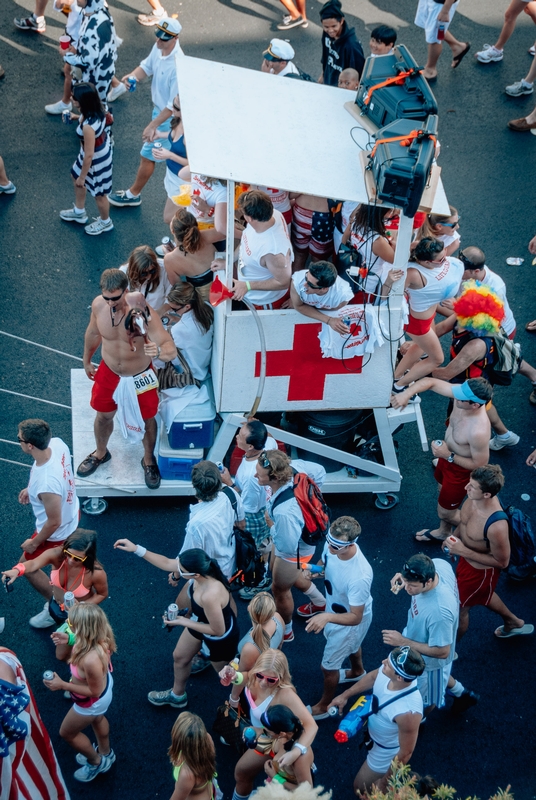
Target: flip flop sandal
<point>91,463</point>
<point>458,59</point>
<point>426,537</point>
<point>531,326</point>
<point>525,630</point>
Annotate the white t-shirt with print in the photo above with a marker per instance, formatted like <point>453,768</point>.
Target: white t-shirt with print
<point>339,293</point>
<point>350,582</point>
<point>55,477</point>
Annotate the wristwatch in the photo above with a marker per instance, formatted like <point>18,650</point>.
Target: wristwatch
<point>450,459</point>
<point>300,747</point>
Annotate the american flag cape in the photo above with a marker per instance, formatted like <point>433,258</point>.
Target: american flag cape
<point>29,770</point>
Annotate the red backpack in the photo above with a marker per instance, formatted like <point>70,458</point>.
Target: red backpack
<point>316,513</point>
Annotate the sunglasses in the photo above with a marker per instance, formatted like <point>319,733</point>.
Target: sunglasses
<point>113,299</point>
<point>264,460</point>
<point>22,441</point>
<point>313,285</point>
<point>438,263</point>
<point>75,558</point>
<point>336,546</point>
<point>184,574</point>
<point>411,574</point>
<point>261,677</point>
<point>450,224</point>
<point>401,658</point>
<point>177,108</point>
<point>469,264</point>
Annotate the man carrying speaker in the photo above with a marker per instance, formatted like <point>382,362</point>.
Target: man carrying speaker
<point>435,16</point>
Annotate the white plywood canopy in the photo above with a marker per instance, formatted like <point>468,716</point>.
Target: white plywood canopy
<point>249,126</point>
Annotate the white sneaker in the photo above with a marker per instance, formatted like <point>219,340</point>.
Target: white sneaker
<point>81,759</point>
<point>88,772</point>
<point>489,53</point>
<point>9,188</point>
<point>497,443</point>
<point>116,92</point>
<point>518,88</point>
<point>43,619</point>
<point>59,107</point>
<point>98,227</point>
<point>70,215</point>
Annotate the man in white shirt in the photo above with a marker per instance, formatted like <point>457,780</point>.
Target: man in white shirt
<point>431,628</point>
<point>277,59</point>
<point>393,728</point>
<point>348,613</point>
<point>160,66</point>
<point>291,553</point>
<point>52,495</point>
<point>211,522</point>
<point>265,260</point>
<point>320,288</point>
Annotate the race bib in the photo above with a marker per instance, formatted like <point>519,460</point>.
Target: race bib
<point>145,381</point>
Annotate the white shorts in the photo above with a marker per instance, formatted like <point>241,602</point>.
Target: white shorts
<point>172,183</point>
<point>433,685</point>
<point>379,758</point>
<point>342,641</point>
<point>426,17</point>
<point>306,551</point>
<point>101,706</point>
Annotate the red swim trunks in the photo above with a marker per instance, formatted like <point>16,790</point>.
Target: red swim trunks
<point>475,586</point>
<point>276,304</point>
<point>453,480</point>
<point>106,383</point>
<point>312,231</point>
<point>418,327</point>
<point>46,545</point>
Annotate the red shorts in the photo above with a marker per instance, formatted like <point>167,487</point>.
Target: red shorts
<point>287,216</point>
<point>276,304</point>
<point>418,327</point>
<point>476,586</point>
<point>106,383</point>
<point>453,480</point>
<point>47,545</point>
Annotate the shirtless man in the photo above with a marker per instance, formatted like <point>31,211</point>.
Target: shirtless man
<point>312,229</point>
<point>265,261</point>
<point>483,553</point>
<point>122,356</point>
<point>466,445</point>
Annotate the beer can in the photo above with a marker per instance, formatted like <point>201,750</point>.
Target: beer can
<point>48,675</point>
<point>157,146</point>
<point>132,81</point>
<point>172,611</point>
<point>66,117</point>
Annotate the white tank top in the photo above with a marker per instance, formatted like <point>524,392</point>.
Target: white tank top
<point>442,283</point>
<point>363,242</point>
<point>253,247</point>
<point>255,712</point>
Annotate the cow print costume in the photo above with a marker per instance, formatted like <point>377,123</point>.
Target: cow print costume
<point>97,47</point>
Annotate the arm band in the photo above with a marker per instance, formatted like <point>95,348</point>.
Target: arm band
<point>279,779</point>
<point>21,568</point>
<point>238,679</point>
<point>140,551</point>
<point>248,286</point>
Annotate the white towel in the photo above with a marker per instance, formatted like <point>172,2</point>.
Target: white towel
<point>173,401</point>
<point>128,411</point>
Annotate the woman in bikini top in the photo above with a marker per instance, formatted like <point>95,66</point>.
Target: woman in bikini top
<point>193,757</point>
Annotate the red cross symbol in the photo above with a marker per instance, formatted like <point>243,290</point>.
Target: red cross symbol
<point>305,365</point>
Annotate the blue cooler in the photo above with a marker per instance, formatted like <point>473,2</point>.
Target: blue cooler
<point>176,465</point>
<point>193,427</point>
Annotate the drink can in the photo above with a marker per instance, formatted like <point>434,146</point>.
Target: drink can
<point>220,466</point>
<point>8,586</point>
<point>132,81</point>
<point>48,675</point>
<point>68,600</point>
<point>157,146</point>
<point>446,550</point>
<point>514,262</point>
<point>438,442</point>
<point>168,244</point>
<point>333,711</point>
<point>172,611</point>
<point>66,117</point>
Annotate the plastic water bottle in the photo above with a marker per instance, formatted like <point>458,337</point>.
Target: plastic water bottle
<point>48,675</point>
<point>353,721</point>
<point>250,738</point>
<point>441,31</point>
<point>68,601</point>
<point>132,81</point>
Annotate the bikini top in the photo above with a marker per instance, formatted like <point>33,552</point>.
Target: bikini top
<point>80,591</point>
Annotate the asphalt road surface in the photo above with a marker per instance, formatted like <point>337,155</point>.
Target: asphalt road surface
<point>50,276</point>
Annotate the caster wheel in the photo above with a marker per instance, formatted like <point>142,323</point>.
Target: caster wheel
<point>386,501</point>
<point>94,506</point>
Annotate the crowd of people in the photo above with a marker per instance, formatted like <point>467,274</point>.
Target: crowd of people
<point>154,325</point>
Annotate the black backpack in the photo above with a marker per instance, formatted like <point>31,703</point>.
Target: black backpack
<point>522,542</point>
<point>249,565</point>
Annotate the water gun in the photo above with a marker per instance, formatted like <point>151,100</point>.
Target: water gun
<point>355,719</point>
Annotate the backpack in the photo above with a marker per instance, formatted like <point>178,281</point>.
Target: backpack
<point>300,75</point>
<point>249,564</point>
<point>316,513</point>
<point>507,360</point>
<point>522,542</point>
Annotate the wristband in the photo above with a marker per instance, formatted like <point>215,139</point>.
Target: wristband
<point>238,679</point>
<point>279,778</point>
<point>21,568</point>
<point>157,351</point>
<point>140,551</point>
<point>248,286</point>
<point>233,702</point>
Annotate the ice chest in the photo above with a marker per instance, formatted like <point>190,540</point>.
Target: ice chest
<point>193,427</point>
<point>176,465</point>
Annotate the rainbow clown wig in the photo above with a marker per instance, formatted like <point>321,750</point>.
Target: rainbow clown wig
<point>479,309</point>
